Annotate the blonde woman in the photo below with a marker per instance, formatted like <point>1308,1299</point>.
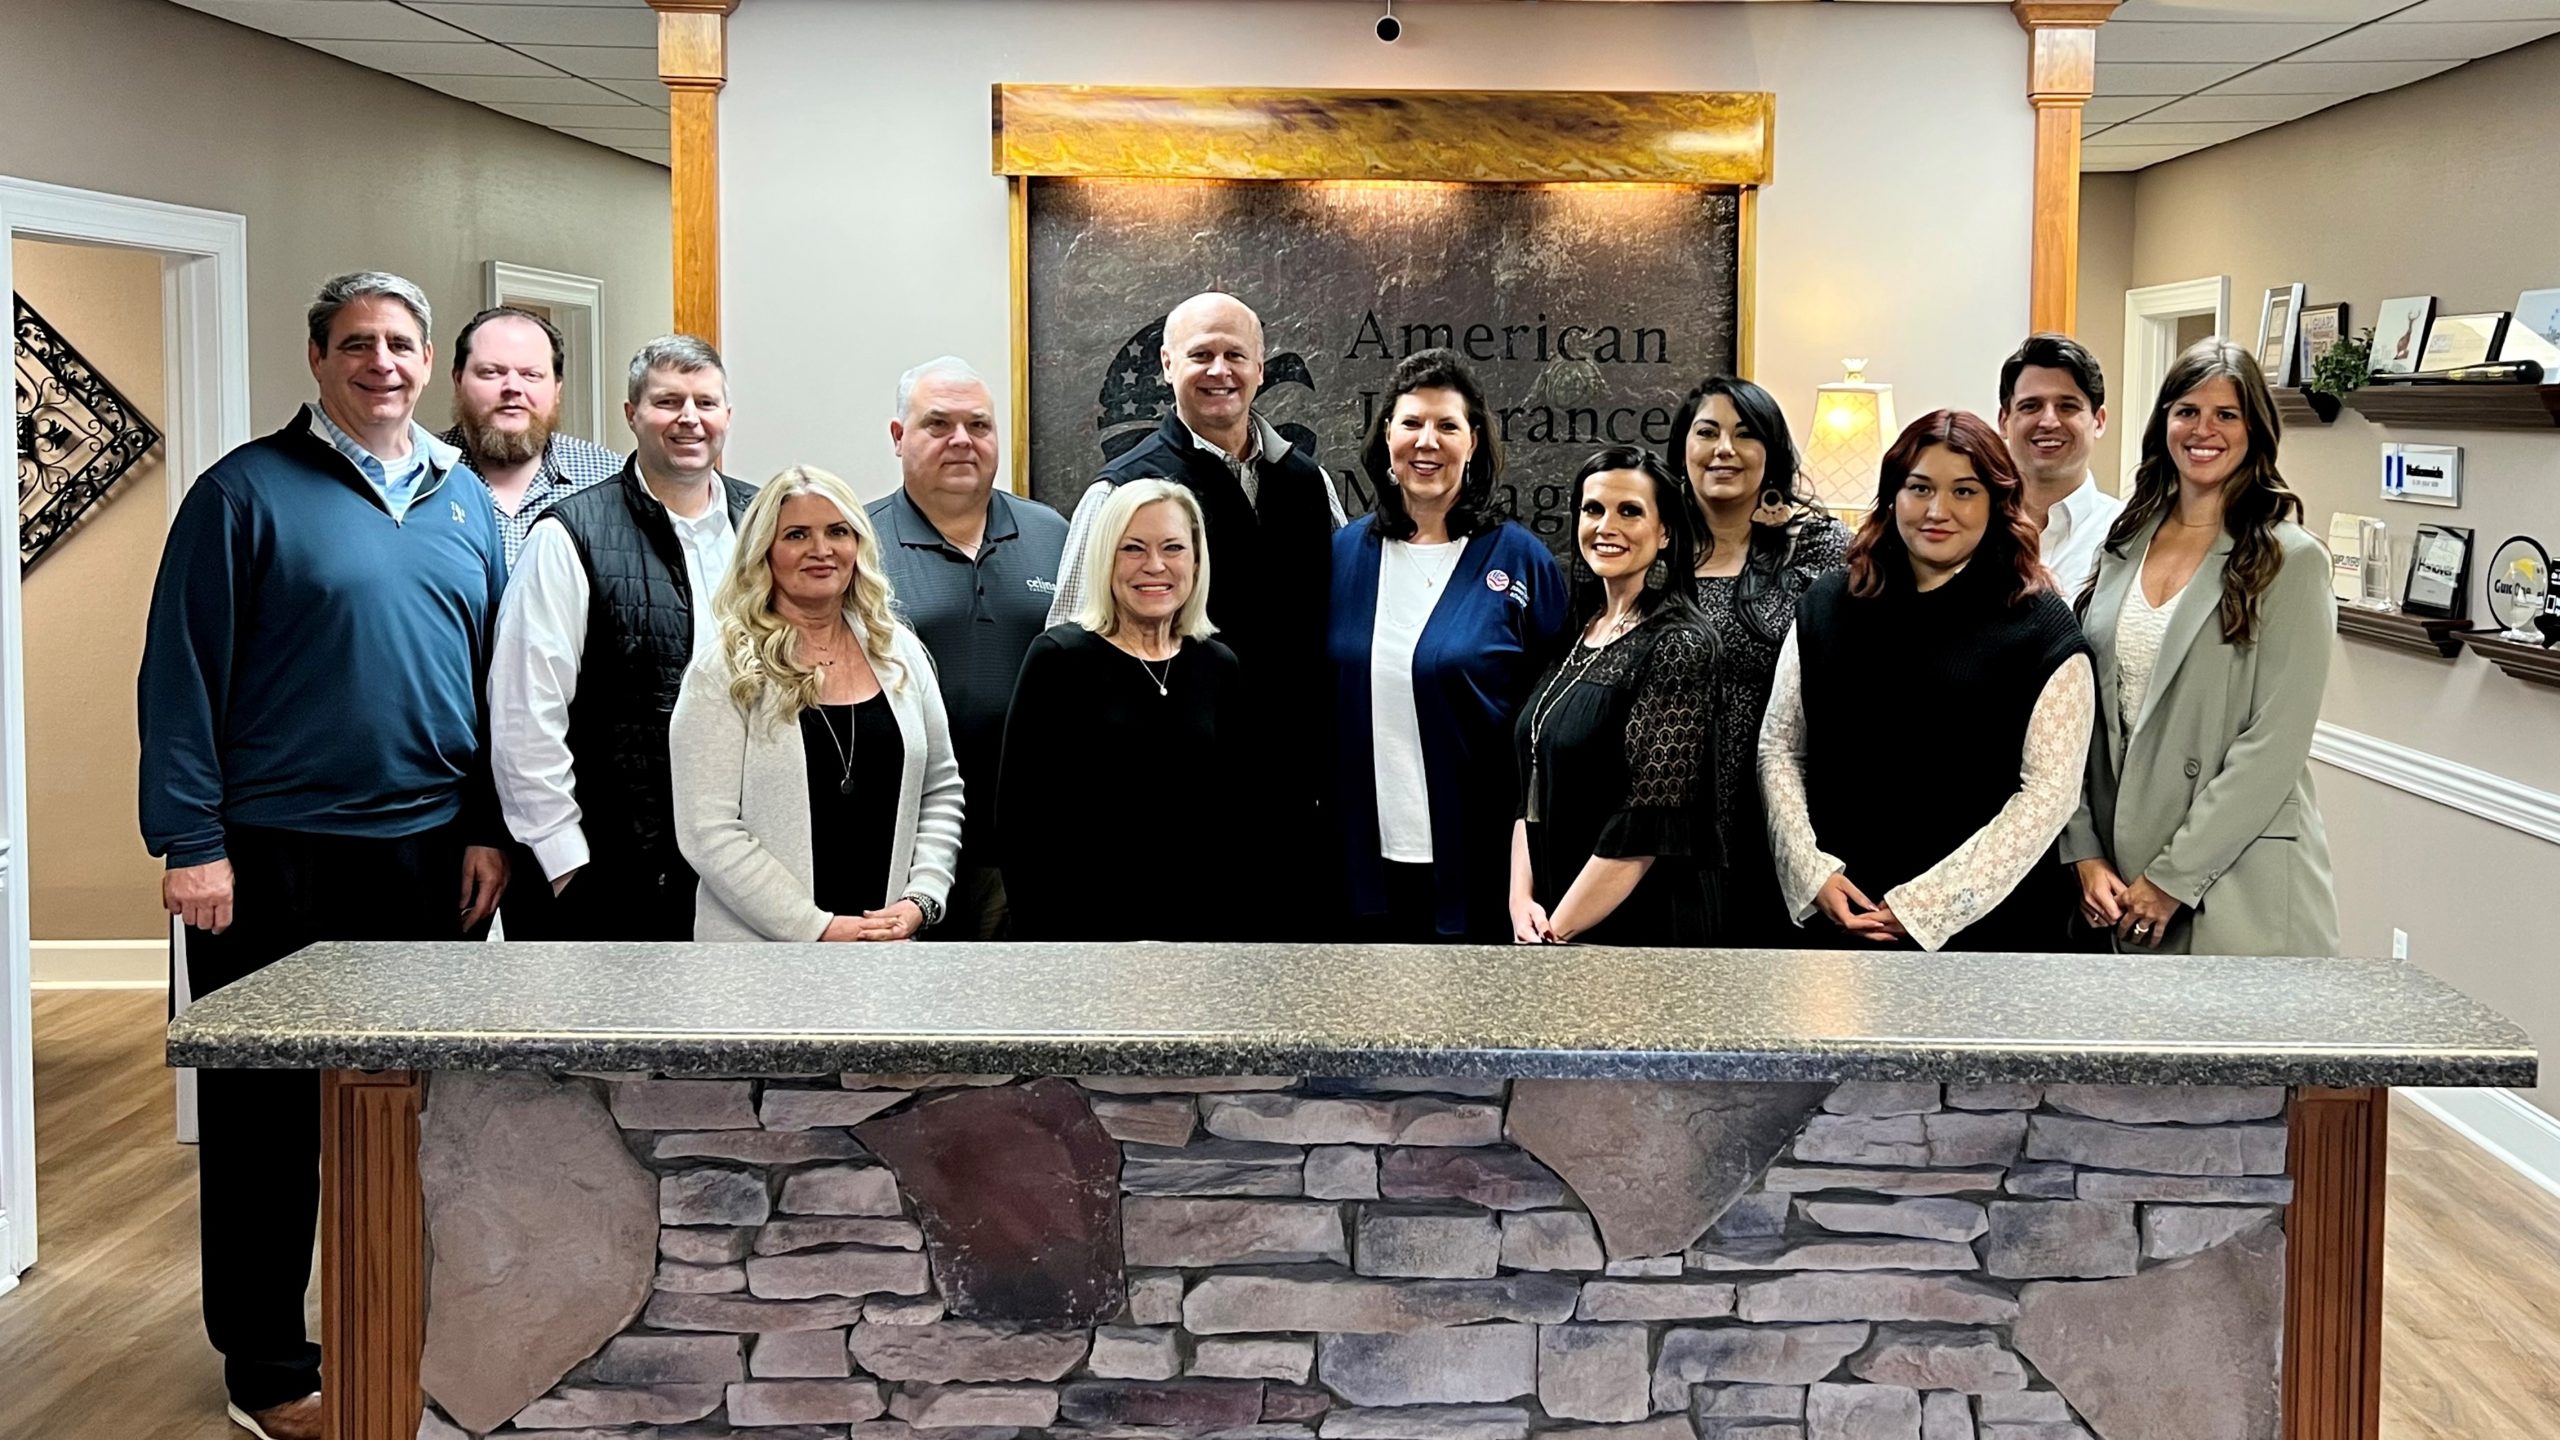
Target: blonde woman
<point>1118,804</point>
<point>815,789</point>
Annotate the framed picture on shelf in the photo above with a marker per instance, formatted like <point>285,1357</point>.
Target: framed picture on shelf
<point>2322,325</point>
<point>2400,334</point>
<point>2279,334</point>
<point>2458,340</point>
<point>2534,333</point>
<point>2439,573</point>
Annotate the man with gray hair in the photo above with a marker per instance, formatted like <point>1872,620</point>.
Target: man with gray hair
<point>314,767</point>
<point>973,570</point>
<point>611,596</point>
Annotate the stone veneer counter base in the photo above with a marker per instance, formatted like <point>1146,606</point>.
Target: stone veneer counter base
<point>1456,1011</point>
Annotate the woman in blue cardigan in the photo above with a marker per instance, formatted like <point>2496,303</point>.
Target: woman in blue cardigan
<point>1443,614</point>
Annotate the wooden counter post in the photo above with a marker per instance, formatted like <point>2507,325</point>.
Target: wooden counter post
<point>2062,72</point>
<point>373,1291</point>
<point>2340,1152</point>
<point>693,61</point>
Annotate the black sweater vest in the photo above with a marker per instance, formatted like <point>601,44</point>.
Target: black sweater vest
<point>1915,721</point>
<point>639,640</point>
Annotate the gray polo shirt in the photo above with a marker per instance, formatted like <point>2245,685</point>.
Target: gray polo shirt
<point>977,617</point>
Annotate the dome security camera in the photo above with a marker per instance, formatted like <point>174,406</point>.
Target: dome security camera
<point>1390,29</point>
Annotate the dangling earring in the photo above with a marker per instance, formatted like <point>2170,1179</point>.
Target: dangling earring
<point>1773,508</point>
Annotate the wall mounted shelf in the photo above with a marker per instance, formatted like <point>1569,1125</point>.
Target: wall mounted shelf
<point>2459,407</point>
<point>2533,664</point>
<point>2421,634</point>
<point>2296,406</point>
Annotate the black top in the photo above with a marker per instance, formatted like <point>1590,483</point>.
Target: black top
<point>1119,811</point>
<point>1959,670</point>
<point>856,758</point>
<point>1749,615</point>
<point>976,614</point>
<point>1619,767</point>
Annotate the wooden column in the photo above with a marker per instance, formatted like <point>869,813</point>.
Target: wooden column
<point>2333,1264</point>
<point>693,60</point>
<point>2062,70</point>
<point>373,1293</point>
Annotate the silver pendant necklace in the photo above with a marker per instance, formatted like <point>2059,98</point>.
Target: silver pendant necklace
<point>1571,674</point>
<point>1159,679</point>
<point>844,785</point>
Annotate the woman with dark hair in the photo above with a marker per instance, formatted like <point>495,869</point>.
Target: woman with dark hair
<point>1762,545</point>
<point>1442,613</point>
<point>2210,615</point>
<point>1930,717</point>
<point>1610,846</point>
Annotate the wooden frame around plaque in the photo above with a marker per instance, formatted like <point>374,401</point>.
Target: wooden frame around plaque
<point>1704,139</point>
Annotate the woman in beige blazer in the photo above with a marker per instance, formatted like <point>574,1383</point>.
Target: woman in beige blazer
<point>2211,617</point>
<point>815,790</point>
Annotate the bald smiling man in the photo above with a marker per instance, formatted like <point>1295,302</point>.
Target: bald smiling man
<point>1271,513</point>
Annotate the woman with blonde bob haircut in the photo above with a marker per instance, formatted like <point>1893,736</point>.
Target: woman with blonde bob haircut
<point>815,789</point>
<point>1130,712</point>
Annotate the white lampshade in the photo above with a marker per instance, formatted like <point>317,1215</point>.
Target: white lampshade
<point>1852,425</point>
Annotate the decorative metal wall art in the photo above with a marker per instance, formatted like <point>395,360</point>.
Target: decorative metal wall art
<point>77,434</point>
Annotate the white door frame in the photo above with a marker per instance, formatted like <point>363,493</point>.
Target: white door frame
<point>2151,316</point>
<point>204,293</point>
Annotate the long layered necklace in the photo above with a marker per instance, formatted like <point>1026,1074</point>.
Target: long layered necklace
<point>825,658</point>
<point>1570,673</point>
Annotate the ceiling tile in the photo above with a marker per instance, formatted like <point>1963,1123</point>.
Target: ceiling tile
<point>2250,12</point>
<point>520,89</point>
<point>2434,10</point>
<point>2158,78</point>
<point>635,119</point>
<point>2133,159</point>
<point>2313,77</point>
<point>2214,105</point>
<point>551,24</point>
<point>2145,133</point>
<point>411,58</point>
<point>594,4</point>
<point>2183,41</point>
<point>600,62</point>
<point>2108,109</point>
<point>647,92</point>
<point>330,19</point>
<point>2452,40</point>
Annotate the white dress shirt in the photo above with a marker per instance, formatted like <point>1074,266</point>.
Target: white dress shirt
<point>533,674</point>
<point>2074,529</point>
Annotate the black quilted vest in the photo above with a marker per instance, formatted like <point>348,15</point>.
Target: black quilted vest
<point>639,639</point>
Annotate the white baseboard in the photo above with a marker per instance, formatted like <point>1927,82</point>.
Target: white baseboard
<point>99,964</point>
<point>2466,788</point>
<point>8,1258</point>
<point>2514,1130</point>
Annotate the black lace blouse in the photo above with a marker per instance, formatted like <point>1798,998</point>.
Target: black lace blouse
<point>1615,759</point>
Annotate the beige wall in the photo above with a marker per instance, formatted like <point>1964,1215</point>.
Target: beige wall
<point>88,877</point>
<point>336,167</point>
<point>854,137</point>
<point>2106,265</point>
<point>2431,188</point>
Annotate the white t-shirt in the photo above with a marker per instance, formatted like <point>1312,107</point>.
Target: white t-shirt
<point>1410,581</point>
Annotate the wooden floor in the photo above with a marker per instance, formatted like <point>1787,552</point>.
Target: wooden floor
<point>102,1340</point>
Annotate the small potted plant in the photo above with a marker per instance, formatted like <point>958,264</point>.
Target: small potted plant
<point>2340,368</point>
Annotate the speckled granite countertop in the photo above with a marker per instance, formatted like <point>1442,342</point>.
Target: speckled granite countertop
<point>1355,1010</point>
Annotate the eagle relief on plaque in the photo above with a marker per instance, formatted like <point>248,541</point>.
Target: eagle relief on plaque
<point>1586,312</point>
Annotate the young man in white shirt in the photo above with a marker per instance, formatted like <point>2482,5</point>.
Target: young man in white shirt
<point>2053,408</point>
<point>610,598</point>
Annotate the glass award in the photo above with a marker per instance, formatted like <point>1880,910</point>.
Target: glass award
<point>2519,588</point>
<point>2439,572</point>
<point>2373,571</point>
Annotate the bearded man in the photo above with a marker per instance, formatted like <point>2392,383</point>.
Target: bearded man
<point>506,411</point>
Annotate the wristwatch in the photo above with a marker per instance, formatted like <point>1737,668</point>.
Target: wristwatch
<point>931,908</point>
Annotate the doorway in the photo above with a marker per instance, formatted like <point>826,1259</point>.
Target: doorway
<point>201,395</point>
<point>2160,321</point>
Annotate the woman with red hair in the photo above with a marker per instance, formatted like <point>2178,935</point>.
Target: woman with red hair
<point>1930,718</point>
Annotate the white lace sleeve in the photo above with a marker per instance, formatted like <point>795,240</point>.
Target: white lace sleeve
<point>1071,576</point>
<point>1802,863</point>
<point>1942,900</point>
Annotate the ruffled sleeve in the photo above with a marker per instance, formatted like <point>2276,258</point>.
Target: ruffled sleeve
<point>1668,756</point>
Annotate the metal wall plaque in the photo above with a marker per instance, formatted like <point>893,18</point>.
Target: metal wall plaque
<point>1585,311</point>
<point>77,434</point>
